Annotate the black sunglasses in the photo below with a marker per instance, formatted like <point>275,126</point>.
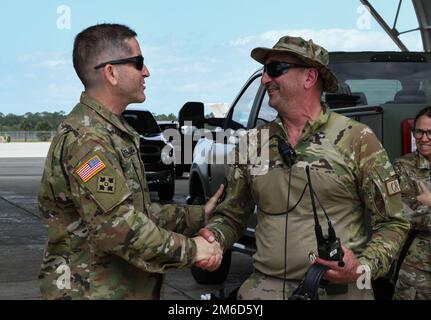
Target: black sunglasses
<point>275,69</point>
<point>137,61</point>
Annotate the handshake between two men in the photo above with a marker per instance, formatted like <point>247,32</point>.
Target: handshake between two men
<point>209,253</point>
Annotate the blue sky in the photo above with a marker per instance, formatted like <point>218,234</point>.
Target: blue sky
<point>195,49</point>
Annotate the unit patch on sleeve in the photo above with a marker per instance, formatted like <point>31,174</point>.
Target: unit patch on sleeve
<point>90,168</point>
<point>393,186</point>
<point>106,184</point>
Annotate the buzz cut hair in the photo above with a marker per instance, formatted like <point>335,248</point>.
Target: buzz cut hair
<point>101,41</point>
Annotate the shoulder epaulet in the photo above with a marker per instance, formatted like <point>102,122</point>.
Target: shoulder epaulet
<point>65,128</point>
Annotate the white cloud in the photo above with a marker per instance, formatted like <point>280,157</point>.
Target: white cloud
<point>217,73</point>
<point>30,57</point>
<point>51,61</point>
<point>189,87</point>
<point>58,95</point>
<point>187,70</point>
<point>53,64</point>
<point>332,39</point>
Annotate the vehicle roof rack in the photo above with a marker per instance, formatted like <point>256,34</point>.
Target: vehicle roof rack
<point>399,57</point>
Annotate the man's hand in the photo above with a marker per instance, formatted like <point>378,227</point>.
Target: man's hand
<point>206,234</point>
<point>214,262</point>
<point>425,196</point>
<point>212,203</point>
<point>347,274</point>
<point>206,251</point>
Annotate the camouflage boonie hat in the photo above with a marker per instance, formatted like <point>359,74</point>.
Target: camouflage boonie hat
<point>311,54</point>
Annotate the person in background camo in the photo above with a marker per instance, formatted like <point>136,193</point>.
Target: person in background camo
<point>414,171</point>
<point>350,172</point>
<point>106,240</point>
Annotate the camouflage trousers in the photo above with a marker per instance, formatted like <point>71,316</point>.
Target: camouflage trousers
<point>413,284</point>
<point>263,287</point>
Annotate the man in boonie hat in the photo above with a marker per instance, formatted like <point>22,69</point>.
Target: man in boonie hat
<point>306,53</point>
<point>350,173</point>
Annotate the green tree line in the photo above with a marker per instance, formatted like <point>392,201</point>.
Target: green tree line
<point>39,121</point>
<point>164,117</point>
<point>46,121</point>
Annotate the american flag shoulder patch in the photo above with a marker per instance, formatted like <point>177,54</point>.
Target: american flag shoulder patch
<point>90,168</point>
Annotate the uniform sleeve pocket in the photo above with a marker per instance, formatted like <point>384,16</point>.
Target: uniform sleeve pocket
<point>386,196</point>
<point>103,179</point>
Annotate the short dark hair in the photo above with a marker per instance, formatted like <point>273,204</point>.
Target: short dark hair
<point>101,39</point>
<point>424,112</point>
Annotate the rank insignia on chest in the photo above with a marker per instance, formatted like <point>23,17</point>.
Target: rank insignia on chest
<point>393,186</point>
<point>90,168</point>
<point>106,184</point>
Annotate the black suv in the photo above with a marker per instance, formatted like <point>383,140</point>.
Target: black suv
<point>160,176</point>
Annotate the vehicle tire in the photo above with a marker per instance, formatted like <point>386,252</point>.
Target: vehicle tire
<point>167,192</point>
<point>218,276</point>
<point>215,277</point>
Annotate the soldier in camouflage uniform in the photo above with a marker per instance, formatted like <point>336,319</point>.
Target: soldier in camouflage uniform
<point>106,240</point>
<point>414,171</point>
<point>350,172</point>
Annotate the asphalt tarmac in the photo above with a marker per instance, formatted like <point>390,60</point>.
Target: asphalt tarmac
<point>23,236</point>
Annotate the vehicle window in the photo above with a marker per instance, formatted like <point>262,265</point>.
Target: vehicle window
<point>377,91</point>
<point>382,82</point>
<point>242,109</point>
<point>143,122</point>
<point>266,112</point>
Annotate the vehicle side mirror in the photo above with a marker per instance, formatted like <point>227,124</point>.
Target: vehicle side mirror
<point>188,130</point>
<point>194,112</point>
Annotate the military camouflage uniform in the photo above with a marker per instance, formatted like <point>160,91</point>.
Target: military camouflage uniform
<point>414,280</point>
<point>350,172</point>
<point>106,240</point>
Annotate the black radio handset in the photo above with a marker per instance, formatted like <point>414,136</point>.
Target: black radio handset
<point>329,248</point>
<point>287,152</point>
